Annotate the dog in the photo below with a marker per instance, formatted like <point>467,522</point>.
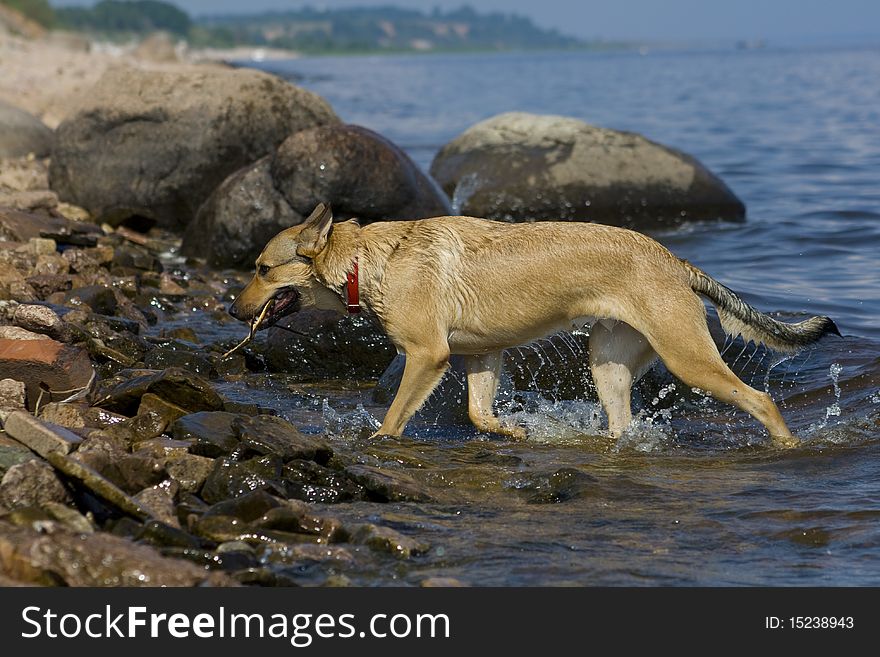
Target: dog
<point>462,285</point>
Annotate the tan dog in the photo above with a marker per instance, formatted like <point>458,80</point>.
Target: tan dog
<point>459,285</point>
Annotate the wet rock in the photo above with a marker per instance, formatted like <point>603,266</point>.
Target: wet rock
<point>70,416</point>
<point>297,517</point>
<point>388,485</point>
<point>97,484</point>
<point>160,534</point>
<point>159,500</point>
<point>385,539</point>
<point>42,437</point>
<point>12,453</point>
<point>241,215</point>
<point>560,486</point>
<point>45,285</point>
<point>130,472</point>
<point>22,134</point>
<point>154,144</point>
<point>441,582</point>
<point>174,384</point>
<point>97,297</point>
<point>177,355</point>
<point>211,433</point>
<point>17,226</point>
<point>235,478</point>
<point>310,482</point>
<point>523,167</point>
<point>247,507</point>
<point>130,256</point>
<point>32,483</point>
<point>364,174</point>
<point>68,517</point>
<point>327,346</point>
<point>151,403</point>
<point>266,434</point>
<point>161,447</point>
<point>12,397</point>
<point>98,559</point>
<point>189,471</point>
<point>220,528</point>
<point>50,370</point>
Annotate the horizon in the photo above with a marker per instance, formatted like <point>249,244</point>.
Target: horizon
<point>695,21</point>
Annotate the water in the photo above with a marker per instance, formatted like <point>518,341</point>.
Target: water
<point>691,494</point>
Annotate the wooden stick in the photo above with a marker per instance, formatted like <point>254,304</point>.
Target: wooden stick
<point>255,324</point>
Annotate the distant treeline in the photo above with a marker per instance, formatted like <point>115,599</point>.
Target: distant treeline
<point>368,29</point>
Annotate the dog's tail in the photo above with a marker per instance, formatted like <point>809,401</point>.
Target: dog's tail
<point>739,319</point>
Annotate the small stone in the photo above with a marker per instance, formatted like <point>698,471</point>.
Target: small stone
<point>17,333</point>
<point>42,437</point>
<point>12,397</point>
<point>247,507</point>
<point>100,299</point>
<point>212,433</point>
<point>385,539</point>
<point>387,485</point>
<point>161,447</point>
<point>100,486</point>
<point>32,483</point>
<point>159,500</point>
<point>39,319</point>
<point>131,472</point>
<point>174,384</point>
<point>441,582</point>
<point>189,470</point>
<point>231,478</point>
<point>158,533</point>
<point>70,518</point>
<point>266,434</point>
<point>12,453</point>
<point>70,415</point>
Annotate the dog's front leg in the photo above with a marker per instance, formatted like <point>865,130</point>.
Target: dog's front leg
<point>422,373</point>
<point>483,373</point>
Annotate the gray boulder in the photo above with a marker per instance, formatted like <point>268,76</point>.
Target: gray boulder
<point>22,134</point>
<point>155,144</point>
<point>357,170</point>
<point>360,172</point>
<point>237,220</point>
<point>524,167</point>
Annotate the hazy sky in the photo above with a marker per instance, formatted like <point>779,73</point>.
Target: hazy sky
<point>691,20</point>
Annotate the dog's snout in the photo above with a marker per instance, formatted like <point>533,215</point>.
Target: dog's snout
<point>234,311</point>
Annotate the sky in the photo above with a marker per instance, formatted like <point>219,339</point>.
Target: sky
<point>651,20</point>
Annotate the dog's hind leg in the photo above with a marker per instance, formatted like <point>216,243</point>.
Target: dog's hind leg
<point>421,374</point>
<point>619,356</point>
<point>686,347</point>
<point>483,373</point>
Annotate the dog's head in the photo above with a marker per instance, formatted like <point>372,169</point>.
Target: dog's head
<point>285,275</point>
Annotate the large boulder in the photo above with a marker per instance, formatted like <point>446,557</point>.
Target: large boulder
<point>155,144</point>
<point>360,172</point>
<point>525,167</point>
<point>243,213</point>
<point>22,134</point>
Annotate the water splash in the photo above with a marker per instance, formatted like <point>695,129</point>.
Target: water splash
<point>834,409</point>
<point>360,420</point>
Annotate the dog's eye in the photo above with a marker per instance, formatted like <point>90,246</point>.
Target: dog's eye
<point>264,269</point>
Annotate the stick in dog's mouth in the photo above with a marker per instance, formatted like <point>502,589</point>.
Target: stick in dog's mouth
<point>282,304</point>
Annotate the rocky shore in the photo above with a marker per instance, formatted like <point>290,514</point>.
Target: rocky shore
<point>135,191</point>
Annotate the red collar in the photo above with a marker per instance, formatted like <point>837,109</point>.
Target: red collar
<point>352,293</point>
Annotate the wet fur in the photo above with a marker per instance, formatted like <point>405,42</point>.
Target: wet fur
<point>460,285</point>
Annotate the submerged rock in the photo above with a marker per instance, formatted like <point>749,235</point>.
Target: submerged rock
<point>388,485</point>
<point>385,539</point>
<point>154,144</point>
<point>527,167</point>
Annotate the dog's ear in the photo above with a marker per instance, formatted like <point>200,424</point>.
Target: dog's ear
<point>316,229</point>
